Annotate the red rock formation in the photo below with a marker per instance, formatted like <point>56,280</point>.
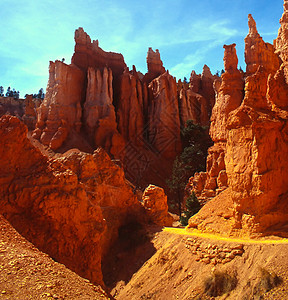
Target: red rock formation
<point>30,116</point>
<point>154,64</point>
<point>46,204</point>
<point>70,207</point>
<point>155,202</point>
<point>164,121</point>
<point>197,99</point>
<point>229,97</point>
<point>89,54</point>
<point>257,52</point>
<point>97,101</point>
<point>281,42</point>
<point>193,106</point>
<point>60,112</point>
<point>256,150</point>
<point>99,112</point>
<point>203,85</point>
<point>130,114</point>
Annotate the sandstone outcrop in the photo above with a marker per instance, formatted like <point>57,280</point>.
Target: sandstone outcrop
<point>99,112</point>
<point>89,54</point>
<point>281,42</point>
<point>29,117</point>
<point>257,52</point>
<point>154,65</point>
<point>229,97</point>
<point>97,101</point>
<point>132,103</point>
<point>197,98</point>
<point>70,207</point>
<point>256,148</point>
<point>60,112</point>
<point>164,121</point>
<point>155,202</point>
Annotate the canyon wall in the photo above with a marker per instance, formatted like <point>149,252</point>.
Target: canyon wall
<point>254,141</point>
<point>69,205</point>
<point>97,101</point>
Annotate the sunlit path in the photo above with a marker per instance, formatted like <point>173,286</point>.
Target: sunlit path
<point>196,233</point>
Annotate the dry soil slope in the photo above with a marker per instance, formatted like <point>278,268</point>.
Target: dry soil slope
<point>27,273</point>
<point>183,261</point>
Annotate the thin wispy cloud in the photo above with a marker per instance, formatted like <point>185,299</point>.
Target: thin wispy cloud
<point>188,33</point>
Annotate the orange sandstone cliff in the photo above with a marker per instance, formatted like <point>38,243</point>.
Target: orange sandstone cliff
<point>254,142</point>
<point>97,101</point>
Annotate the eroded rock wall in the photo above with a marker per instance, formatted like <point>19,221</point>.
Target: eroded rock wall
<point>256,147</point>
<point>70,206</point>
<point>97,101</point>
<point>229,96</point>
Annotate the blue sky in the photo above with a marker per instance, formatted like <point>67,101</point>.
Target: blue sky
<point>188,33</point>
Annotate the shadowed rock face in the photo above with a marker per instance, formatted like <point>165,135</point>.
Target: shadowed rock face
<point>97,101</point>
<point>70,207</point>
<point>255,143</point>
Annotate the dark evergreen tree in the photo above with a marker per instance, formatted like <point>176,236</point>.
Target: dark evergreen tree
<point>1,91</point>
<point>195,141</point>
<point>8,92</point>
<point>192,207</point>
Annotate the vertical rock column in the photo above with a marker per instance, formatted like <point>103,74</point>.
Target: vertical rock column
<point>60,112</point>
<point>164,121</point>
<point>229,97</point>
<point>99,112</point>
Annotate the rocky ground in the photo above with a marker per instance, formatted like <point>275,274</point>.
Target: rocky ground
<point>27,273</point>
<point>184,262</point>
<point>152,263</point>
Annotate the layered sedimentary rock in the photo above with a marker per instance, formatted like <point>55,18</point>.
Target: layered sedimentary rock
<point>257,52</point>
<point>97,101</point>
<point>164,121</point>
<point>30,116</point>
<point>89,54</point>
<point>281,42</point>
<point>70,207</point>
<point>256,150</point>
<point>132,103</point>
<point>229,97</point>
<point>60,112</point>
<point>155,202</point>
<point>197,98</point>
<point>99,112</point>
<point>154,65</point>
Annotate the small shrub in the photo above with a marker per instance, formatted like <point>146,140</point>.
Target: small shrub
<point>266,283</point>
<point>219,283</point>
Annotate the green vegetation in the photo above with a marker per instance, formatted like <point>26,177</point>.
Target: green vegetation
<point>9,93</point>
<point>195,141</point>
<point>192,207</point>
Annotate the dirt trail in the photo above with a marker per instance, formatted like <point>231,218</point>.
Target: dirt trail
<point>183,260</point>
<point>195,233</point>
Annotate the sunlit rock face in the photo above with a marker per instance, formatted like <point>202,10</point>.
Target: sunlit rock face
<point>197,98</point>
<point>229,97</point>
<point>61,111</point>
<point>256,145</point>
<point>97,101</point>
<point>155,202</point>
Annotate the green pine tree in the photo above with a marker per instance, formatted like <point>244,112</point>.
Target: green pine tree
<point>192,207</point>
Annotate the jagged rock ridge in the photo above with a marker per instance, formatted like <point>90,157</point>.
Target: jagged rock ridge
<point>253,139</point>
<point>97,101</point>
